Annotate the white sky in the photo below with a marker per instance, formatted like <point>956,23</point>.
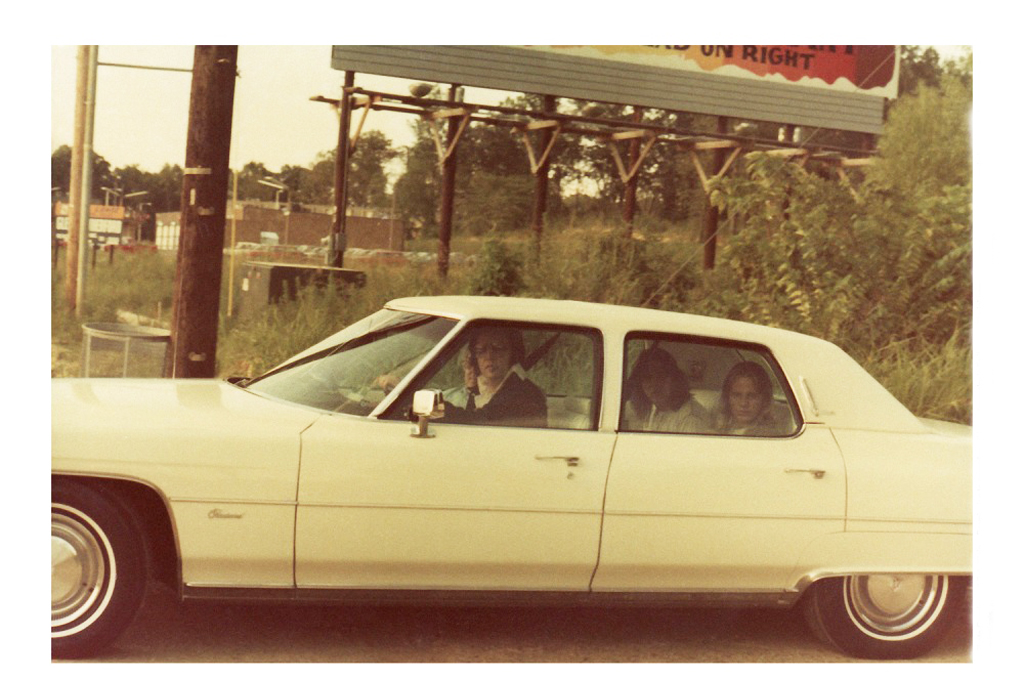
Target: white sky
<point>142,115</point>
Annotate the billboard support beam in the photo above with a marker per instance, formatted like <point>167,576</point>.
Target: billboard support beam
<point>448,167</point>
<point>636,153</point>
<point>736,149</point>
<point>336,251</point>
<point>447,147</point>
<point>709,234</point>
<point>549,133</point>
<point>550,129</point>
<point>630,178</point>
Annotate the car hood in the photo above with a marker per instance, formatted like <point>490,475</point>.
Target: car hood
<point>191,438</point>
<point>152,403</point>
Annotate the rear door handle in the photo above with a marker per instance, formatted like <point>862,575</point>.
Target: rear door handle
<point>818,474</point>
<point>571,461</point>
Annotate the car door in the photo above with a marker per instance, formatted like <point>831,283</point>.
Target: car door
<point>474,506</point>
<point>707,508</point>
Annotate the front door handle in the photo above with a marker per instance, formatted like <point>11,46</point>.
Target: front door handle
<point>571,461</point>
<point>818,474</point>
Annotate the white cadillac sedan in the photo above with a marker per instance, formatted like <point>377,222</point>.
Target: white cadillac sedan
<point>559,453</point>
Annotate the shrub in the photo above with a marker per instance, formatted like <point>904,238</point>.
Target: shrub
<point>499,271</point>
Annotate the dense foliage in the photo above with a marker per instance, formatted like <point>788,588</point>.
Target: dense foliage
<point>882,268</point>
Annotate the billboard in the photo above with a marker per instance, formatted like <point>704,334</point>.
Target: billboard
<point>840,87</point>
<point>867,69</point>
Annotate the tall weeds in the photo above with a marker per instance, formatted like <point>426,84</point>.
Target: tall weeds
<point>930,373</point>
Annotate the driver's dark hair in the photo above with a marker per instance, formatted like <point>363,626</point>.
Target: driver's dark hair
<point>512,336</point>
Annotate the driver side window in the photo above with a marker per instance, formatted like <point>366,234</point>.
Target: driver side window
<point>516,375</point>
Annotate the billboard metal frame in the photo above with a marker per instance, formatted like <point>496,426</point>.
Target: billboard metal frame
<point>460,66</point>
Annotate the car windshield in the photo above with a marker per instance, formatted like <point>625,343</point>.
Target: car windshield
<point>352,371</point>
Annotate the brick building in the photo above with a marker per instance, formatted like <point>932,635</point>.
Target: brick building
<point>292,228</point>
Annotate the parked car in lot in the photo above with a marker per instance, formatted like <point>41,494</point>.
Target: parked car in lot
<point>562,452</point>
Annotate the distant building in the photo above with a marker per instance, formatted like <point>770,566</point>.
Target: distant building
<point>305,227</point>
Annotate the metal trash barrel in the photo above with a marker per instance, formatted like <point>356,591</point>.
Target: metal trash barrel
<point>112,350</point>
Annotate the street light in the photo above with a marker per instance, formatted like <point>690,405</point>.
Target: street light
<point>279,186</point>
<point>106,194</point>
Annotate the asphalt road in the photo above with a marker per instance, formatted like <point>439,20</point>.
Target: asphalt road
<point>168,631</point>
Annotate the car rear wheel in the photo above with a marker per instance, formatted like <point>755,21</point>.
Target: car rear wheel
<point>883,616</point>
<point>97,572</point>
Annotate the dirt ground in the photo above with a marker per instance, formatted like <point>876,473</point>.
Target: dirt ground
<point>167,631</point>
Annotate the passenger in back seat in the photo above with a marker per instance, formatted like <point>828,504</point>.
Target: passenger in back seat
<point>658,397</point>
<point>745,407</point>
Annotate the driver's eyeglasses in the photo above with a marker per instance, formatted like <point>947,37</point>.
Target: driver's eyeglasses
<point>495,349</point>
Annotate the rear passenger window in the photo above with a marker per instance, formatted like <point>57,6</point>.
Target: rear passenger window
<point>687,385</point>
<point>516,375</point>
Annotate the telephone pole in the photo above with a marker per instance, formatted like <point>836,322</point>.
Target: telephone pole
<point>80,189</point>
<point>203,200</point>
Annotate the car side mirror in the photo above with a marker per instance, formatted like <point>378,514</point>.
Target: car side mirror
<point>426,405</point>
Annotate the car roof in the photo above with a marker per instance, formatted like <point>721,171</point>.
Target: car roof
<point>605,316</point>
<point>830,386</point>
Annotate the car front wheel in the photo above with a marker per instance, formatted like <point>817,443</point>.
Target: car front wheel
<point>97,574</point>
<point>884,616</point>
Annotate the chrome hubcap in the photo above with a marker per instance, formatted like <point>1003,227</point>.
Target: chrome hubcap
<point>79,572</point>
<point>895,606</point>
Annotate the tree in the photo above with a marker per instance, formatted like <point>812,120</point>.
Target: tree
<point>494,187</point>
<point>167,193</point>
<point>297,179</point>
<point>320,182</point>
<point>249,186</point>
<point>368,179</point>
<point>918,66</point>
<point>926,144</point>
<point>418,190</point>
<point>60,172</point>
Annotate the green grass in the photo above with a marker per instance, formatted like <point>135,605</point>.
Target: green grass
<point>141,283</point>
<point>583,264</point>
<point>932,381</point>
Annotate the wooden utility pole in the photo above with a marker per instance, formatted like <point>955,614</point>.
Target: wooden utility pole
<point>709,234</point>
<point>203,200</point>
<point>540,198</point>
<point>447,190</point>
<point>337,243</point>
<point>629,196</point>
